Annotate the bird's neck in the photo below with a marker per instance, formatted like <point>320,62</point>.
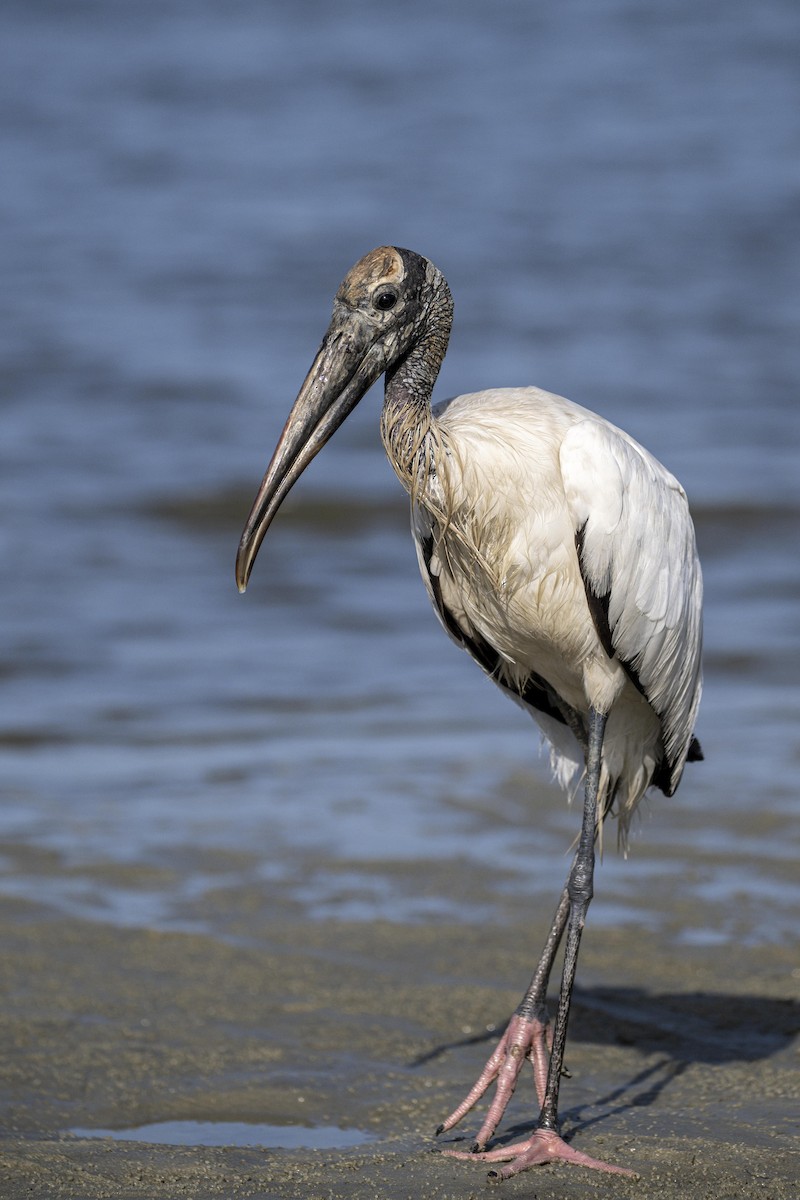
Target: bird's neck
<point>408,427</point>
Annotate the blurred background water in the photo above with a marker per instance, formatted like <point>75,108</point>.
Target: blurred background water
<point>613,191</point>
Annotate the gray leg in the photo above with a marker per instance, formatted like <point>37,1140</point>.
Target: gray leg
<point>525,1037</point>
<point>579,891</point>
<point>545,1144</point>
<point>534,999</point>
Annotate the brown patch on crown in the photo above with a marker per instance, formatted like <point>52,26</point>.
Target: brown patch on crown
<point>381,265</point>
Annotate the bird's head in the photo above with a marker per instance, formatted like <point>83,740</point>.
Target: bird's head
<point>388,304</point>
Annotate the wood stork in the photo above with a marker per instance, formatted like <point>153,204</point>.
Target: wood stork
<point>561,555</point>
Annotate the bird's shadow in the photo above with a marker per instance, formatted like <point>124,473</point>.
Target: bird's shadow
<point>682,1028</point>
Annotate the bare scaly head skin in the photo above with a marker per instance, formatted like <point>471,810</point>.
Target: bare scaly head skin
<point>383,265</point>
<point>422,309</point>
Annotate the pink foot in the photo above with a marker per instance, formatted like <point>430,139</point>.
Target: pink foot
<point>522,1039</point>
<point>543,1146</point>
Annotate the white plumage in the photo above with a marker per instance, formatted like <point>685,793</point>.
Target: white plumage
<point>524,472</point>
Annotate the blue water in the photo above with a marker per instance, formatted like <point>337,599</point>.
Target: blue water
<point>613,191</point>
<point>233,1133</point>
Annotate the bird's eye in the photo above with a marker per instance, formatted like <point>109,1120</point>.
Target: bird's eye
<point>385,300</point>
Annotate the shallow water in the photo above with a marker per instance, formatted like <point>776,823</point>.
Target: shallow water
<point>233,1133</point>
<point>612,193</point>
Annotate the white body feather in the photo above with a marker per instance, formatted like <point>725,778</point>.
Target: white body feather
<point>516,474</point>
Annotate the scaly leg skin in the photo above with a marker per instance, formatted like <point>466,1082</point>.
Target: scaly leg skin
<point>522,1039</point>
<point>529,1035</point>
<point>545,1144</point>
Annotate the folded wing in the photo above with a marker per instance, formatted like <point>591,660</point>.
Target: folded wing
<point>638,558</point>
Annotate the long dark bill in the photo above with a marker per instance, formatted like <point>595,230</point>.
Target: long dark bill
<point>348,362</point>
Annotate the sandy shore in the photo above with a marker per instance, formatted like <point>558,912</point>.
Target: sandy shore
<point>682,1061</point>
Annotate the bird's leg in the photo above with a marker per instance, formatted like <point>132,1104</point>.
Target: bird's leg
<point>545,1144</point>
<point>525,1037</point>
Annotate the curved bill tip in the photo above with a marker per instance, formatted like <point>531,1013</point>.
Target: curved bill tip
<point>245,558</point>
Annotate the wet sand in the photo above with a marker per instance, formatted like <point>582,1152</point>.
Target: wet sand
<point>682,1059</point>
